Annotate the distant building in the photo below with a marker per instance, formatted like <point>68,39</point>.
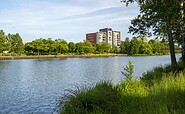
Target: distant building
<point>105,35</point>
<point>91,37</point>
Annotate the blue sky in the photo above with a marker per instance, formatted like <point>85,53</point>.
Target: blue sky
<point>66,19</point>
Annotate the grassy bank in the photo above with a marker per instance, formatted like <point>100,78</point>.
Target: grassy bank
<point>59,56</point>
<point>158,92</point>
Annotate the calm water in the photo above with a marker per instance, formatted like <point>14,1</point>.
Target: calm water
<point>34,86</point>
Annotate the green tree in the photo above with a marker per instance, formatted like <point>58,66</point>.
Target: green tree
<point>88,47</point>
<point>72,47</point>
<point>158,15</point>
<point>80,47</point>
<point>156,47</point>
<point>114,49</point>
<point>4,43</point>
<point>38,45</point>
<point>28,48</point>
<point>17,45</point>
<point>122,47</point>
<point>104,47</point>
<point>48,46</point>
<point>134,46</point>
<point>128,70</point>
<point>127,45</point>
<point>62,46</point>
<point>145,47</point>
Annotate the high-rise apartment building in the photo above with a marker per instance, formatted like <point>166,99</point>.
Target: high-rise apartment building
<point>91,37</point>
<point>105,35</point>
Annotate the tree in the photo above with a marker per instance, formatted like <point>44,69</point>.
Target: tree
<point>48,45</point>
<point>72,47</point>
<point>88,47</point>
<point>104,47</point>
<point>122,47</point>
<point>80,47</point>
<point>38,45</point>
<point>28,48</point>
<point>134,46</point>
<point>17,45</point>
<point>4,43</point>
<point>114,49</point>
<point>127,45</point>
<point>61,45</point>
<point>145,47</point>
<point>182,29</point>
<point>128,71</point>
<point>159,16</point>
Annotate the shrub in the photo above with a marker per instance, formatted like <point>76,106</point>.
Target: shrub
<point>128,71</point>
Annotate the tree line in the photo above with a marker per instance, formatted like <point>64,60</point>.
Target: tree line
<point>59,46</point>
<point>13,44</point>
<point>140,45</point>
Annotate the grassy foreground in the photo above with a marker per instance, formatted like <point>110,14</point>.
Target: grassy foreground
<point>158,92</point>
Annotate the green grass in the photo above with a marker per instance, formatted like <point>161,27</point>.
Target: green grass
<point>102,98</point>
<point>160,91</point>
<point>157,73</point>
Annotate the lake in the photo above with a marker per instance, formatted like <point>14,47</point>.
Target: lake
<point>35,85</point>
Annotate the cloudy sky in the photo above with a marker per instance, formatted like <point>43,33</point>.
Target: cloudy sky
<point>66,19</point>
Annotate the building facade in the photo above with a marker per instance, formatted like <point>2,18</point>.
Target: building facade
<point>105,35</point>
<point>91,37</point>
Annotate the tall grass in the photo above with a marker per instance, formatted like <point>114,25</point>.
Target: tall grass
<point>166,95</point>
<point>157,73</point>
<point>103,98</point>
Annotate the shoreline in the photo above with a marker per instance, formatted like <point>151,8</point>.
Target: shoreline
<point>58,56</point>
<point>72,56</point>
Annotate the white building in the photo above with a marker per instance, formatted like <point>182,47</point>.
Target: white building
<point>109,36</point>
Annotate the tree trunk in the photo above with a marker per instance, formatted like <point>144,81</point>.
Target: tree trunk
<point>182,32</point>
<point>171,43</point>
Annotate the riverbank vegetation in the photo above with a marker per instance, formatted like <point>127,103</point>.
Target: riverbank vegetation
<point>160,90</point>
<point>12,45</point>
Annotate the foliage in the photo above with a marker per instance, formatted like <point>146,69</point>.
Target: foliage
<point>122,47</point>
<point>72,47</point>
<point>103,47</point>
<point>16,42</point>
<point>80,47</point>
<point>128,71</point>
<point>88,47</point>
<point>4,44</point>
<point>140,45</point>
<point>114,49</point>
<point>134,46</point>
<point>12,44</point>
<point>61,46</point>
<point>157,17</point>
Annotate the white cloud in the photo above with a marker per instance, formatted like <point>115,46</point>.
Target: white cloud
<point>71,19</point>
